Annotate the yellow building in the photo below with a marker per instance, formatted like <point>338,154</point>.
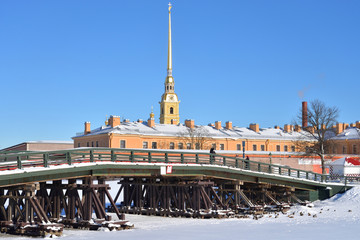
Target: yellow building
<point>345,139</point>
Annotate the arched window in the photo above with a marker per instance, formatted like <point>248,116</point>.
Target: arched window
<point>162,110</point>
<point>171,110</point>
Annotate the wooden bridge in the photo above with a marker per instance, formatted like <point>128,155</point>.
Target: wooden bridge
<point>69,187</point>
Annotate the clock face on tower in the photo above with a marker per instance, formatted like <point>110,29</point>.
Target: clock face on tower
<point>171,98</point>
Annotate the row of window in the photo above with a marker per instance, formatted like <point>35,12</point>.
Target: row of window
<point>262,148</point>
<point>180,145</point>
<point>154,145</point>
<point>344,150</point>
<point>221,146</point>
<point>90,144</point>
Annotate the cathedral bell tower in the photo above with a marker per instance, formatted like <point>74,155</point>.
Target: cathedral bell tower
<point>169,105</point>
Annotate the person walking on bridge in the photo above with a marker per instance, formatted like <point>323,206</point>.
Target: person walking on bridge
<point>247,163</point>
<point>212,155</point>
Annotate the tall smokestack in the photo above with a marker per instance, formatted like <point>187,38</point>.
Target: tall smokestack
<point>304,115</point>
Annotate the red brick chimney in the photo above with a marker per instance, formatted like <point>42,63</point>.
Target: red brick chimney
<point>254,127</point>
<point>189,123</point>
<point>339,128</point>
<point>114,121</point>
<point>228,125</point>
<point>287,128</point>
<point>218,125</point>
<point>87,128</point>
<point>304,115</point>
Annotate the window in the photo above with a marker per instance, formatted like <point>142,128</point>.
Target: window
<point>87,144</point>
<point>354,149</point>
<point>154,145</point>
<point>286,148</point>
<point>188,146</point>
<point>92,144</point>
<point>344,149</point>
<point>162,110</point>
<point>222,147</point>
<point>213,146</point>
<point>262,147</point>
<point>122,144</point>
<point>172,145</point>
<point>254,147</point>
<point>145,145</point>
<point>334,149</point>
<point>180,146</point>
<point>197,146</point>
<point>97,144</point>
<point>78,144</point>
<point>293,148</point>
<point>238,147</point>
<point>278,148</point>
<point>171,110</point>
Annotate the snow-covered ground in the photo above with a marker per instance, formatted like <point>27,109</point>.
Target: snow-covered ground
<point>335,218</point>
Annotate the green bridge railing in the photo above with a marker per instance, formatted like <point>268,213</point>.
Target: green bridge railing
<point>21,160</point>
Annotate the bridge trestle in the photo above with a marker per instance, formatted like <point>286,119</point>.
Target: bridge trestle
<point>46,208</point>
<point>21,213</point>
<point>202,198</point>
<point>85,202</point>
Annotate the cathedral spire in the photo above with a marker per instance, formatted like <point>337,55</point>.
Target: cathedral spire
<point>169,63</point>
<point>169,105</point>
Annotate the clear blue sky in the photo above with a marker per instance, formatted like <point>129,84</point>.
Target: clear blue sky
<point>66,62</point>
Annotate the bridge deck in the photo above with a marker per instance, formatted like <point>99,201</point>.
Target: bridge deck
<point>84,162</point>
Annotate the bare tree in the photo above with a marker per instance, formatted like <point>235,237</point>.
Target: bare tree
<point>315,141</point>
<point>198,137</point>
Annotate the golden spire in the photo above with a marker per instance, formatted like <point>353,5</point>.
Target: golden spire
<point>169,105</point>
<point>169,63</point>
<point>152,113</point>
<point>106,121</point>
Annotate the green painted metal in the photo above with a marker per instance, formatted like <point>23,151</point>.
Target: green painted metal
<point>198,164</point>
<point>46,159</point>
<point>104,154</point>
<point>19,163</point>
<point>91,155</point>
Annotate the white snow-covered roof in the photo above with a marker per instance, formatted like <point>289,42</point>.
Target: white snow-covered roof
<point>137,128</point>
<point>349,133</point>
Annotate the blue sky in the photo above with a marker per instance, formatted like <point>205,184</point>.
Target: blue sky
<point>66,62</point>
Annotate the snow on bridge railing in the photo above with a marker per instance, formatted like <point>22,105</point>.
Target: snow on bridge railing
<point>20,160</point>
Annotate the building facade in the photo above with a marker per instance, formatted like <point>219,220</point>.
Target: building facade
<point>151,135</point>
